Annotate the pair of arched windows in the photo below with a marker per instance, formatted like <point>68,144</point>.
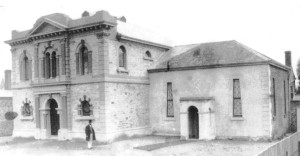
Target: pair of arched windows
<point>50,65</point>
<point>25,67</point>
<point>83,60</point>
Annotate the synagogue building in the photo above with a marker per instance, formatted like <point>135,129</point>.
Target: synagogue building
<point>131,81</point>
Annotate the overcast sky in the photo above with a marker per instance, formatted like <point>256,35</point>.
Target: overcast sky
<point>268,26</point>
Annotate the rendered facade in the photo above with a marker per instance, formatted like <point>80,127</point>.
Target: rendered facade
<point>131,81</point>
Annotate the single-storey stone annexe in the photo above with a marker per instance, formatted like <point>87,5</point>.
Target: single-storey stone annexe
<point>130,81</point>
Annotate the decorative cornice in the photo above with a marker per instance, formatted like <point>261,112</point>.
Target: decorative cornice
<point>102,34</point>
<point>13,50</point>
<point>77,30</point>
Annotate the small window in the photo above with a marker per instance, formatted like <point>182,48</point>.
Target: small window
<point>237,103</point>
<point>122,57</point>
<point>148,54</point>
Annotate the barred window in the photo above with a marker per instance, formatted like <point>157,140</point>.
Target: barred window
<point>170,106</point>
<point>237,103</point>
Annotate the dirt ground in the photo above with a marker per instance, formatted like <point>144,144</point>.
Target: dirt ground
<point>214,148</point>
<point>28,147</point>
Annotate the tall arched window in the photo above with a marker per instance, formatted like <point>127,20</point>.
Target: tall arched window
<point>83,60</point>
<point>122,57</point>
<point>53,59</point>
<point>47,66</point>
<point>25,68</point>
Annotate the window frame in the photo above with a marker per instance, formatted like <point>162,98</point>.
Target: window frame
<point>236,97</point>
<point>122,56</point>
<point>170,99</point>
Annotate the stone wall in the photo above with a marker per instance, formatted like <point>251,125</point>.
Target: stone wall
<point>127,108</point>
<point>23,126</point>
<point>137,62</point>
<point>280,122</point>
<point>218,84</point>
<point>92,92</point>
<point>6,127</point>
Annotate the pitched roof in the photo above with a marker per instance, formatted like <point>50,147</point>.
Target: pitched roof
<point>209,54</point>
<point>137,32</point>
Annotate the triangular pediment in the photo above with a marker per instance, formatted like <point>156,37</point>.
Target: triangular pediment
<point>45,28</point>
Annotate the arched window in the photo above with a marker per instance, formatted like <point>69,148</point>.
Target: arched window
<point>53,57</point>
<point>83,60</point>
<point>50,65</point>
<point>25,68</point>
<point>47,66</point>
<point>148,54</point>
<point>122,57</point>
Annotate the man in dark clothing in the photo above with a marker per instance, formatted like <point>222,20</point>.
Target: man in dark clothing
<point>90,134</point>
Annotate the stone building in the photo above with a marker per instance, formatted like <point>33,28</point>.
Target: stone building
<point>131,81</point>
<point>6,126</point>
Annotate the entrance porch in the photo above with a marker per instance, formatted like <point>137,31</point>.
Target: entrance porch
<point>197,118</point>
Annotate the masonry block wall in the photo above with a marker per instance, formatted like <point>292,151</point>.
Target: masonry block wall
<point>216,83</point>
<point>23,126</point>
<point>6,127</point>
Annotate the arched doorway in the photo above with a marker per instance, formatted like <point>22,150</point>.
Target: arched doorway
<point>54,117</point>
<point>193,122</point>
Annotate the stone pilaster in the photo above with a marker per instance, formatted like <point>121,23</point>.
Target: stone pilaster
<point>67,53</point>
<point>64,111</point>
<point>37,111</point>
<point>36,60</point>
<point>63,56</point>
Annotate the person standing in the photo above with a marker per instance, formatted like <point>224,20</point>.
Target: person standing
<point>90,134</point>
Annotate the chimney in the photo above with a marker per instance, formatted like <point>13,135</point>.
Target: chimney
<point>7,85</point>
<point>288,58</point>
<point>85,14</point>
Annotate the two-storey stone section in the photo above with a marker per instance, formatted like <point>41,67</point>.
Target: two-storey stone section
<point>75,76</point>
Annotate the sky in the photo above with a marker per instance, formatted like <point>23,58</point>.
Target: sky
<point>268,26</point>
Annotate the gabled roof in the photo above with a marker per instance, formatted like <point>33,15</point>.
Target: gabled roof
<point>212,54</point>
